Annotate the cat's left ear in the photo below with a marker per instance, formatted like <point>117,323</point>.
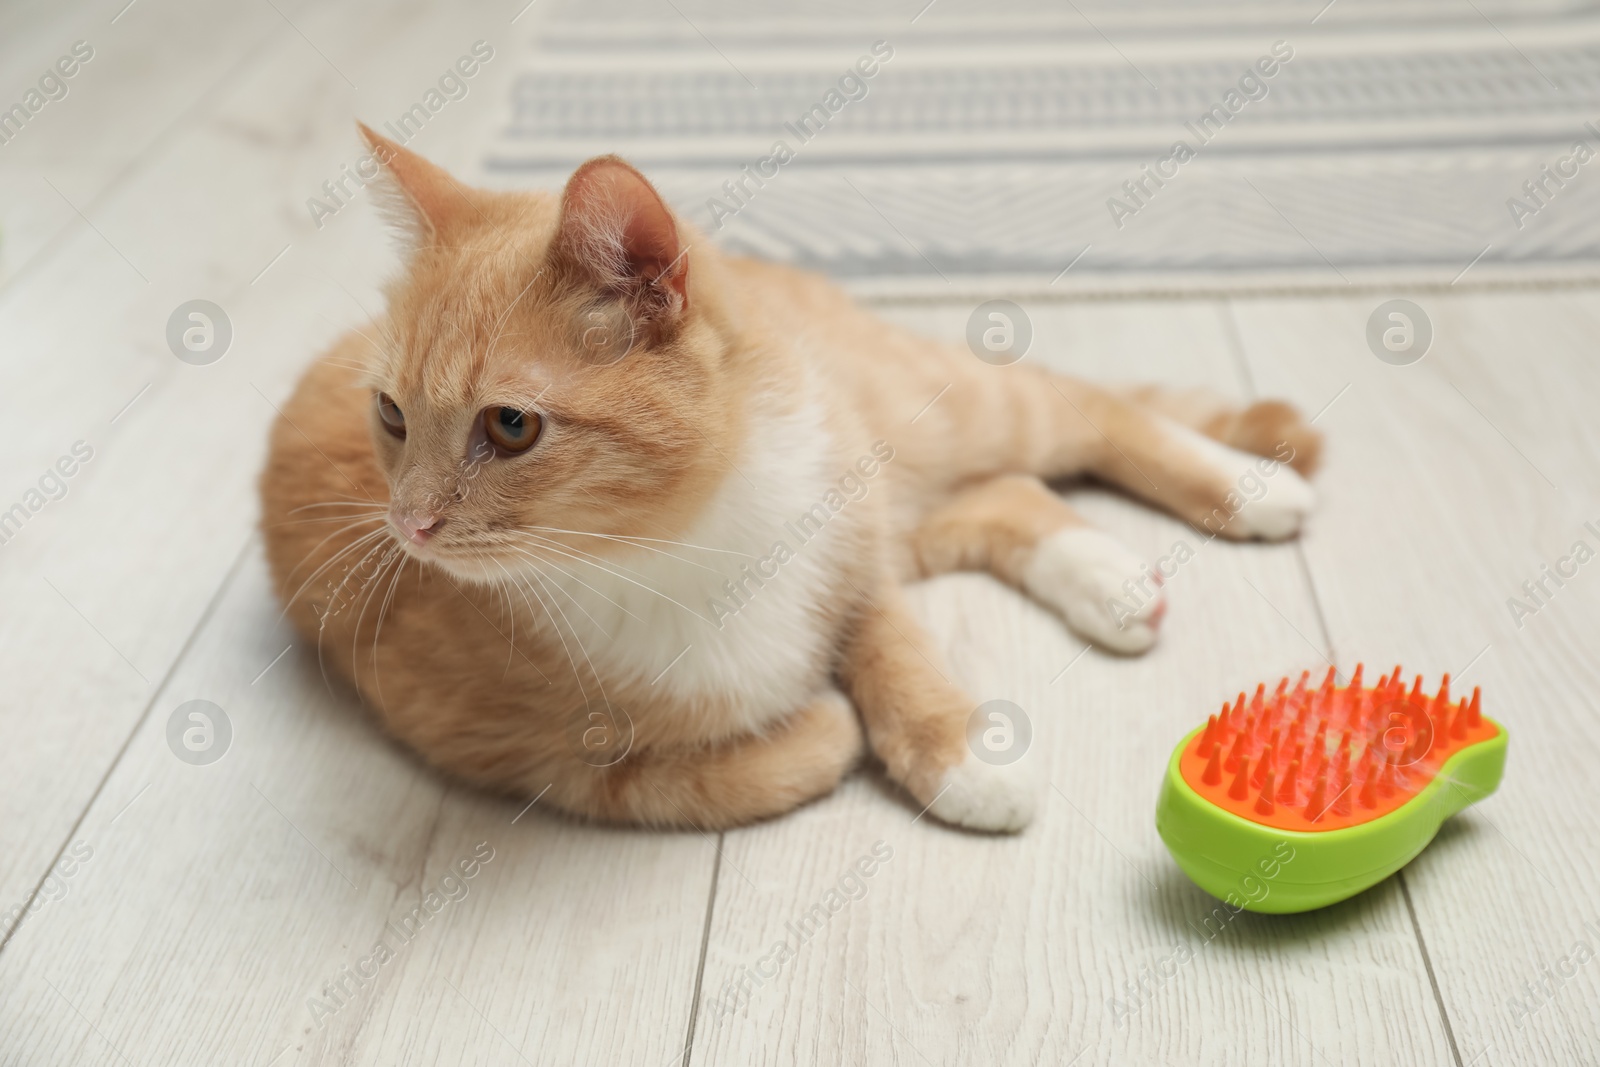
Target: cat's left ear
<point>617,231</point>
<point>426,204</point>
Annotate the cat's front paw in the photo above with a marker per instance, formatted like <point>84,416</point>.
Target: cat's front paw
<point>981,796</point>
<point>1100,588</point>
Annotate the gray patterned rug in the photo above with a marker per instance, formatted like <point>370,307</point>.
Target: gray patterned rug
<point>1134,146</point>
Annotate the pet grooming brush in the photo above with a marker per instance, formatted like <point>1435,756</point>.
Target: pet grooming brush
<point>1351,782</point>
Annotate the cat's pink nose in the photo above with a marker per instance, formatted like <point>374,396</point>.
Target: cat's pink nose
<point>418,528</point>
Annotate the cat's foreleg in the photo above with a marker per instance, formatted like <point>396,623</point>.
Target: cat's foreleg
<point>917,719</point>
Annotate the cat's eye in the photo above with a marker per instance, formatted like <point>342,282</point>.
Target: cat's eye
<point>394,420</point>
<point>511,429</point>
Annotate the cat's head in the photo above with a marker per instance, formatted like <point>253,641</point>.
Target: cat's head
<point>549,368</point>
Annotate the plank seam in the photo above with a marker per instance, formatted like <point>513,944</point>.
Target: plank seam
<point>155,694</point>
<point>1438,997</point>
<point>1236,342</point>
<point>705,943</point>
<point>206,98</point>
<point>1230,330</point>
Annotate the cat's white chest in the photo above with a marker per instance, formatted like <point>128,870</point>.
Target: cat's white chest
<point>731,616</point>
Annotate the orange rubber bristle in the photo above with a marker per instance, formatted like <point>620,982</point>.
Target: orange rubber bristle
<point>1264,766</point>
<point>1264,805</point>
<point>1316,805</point>
<point>1369,791</point>
<point>1386,785</point>
<point>1238,790</point>
<point>1371,749</point>
<point>1341,799</point>
<point>1232,762</point>
<point>1286,791</point>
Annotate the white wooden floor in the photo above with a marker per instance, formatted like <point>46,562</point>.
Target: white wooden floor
<point>187,914</point>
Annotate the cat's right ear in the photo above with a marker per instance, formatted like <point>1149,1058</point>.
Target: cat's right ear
<point>420,199</point>
<point>619,234</point>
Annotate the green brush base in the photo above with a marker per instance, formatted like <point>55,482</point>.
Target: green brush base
<point>1277,872</point>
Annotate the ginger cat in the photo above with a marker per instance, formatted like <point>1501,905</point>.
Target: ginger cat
<point>597,509</point>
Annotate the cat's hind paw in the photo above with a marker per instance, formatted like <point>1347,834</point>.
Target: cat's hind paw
<point>1279,512</point>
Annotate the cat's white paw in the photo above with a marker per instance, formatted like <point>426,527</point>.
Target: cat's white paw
<point>979,796</point>
<point>1280,511</point>
<point>1099,587</point>
<point>1266,500</point>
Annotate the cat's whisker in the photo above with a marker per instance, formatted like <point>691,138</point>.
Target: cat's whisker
<point>340,502</point>
<point>573,552</point>
<point>629,538</point>
<point>354,524</point>
<point>386,350</point>
<point>602,567</point>
<point>338,590</point>
<point>322,616</point>
<point>331,560</point>
<point>512,641</point>
<point>573,630</point>
<point>534,540</point>
<point>366,584</point>
<point>485,249</point>
<point>383,611</point>
<point>371,587</point>
<point>348,527</point>
<point>352,367</point>
<point>605,566</point>
<point>647,548</point>
<point>534,561</point>
<point>511,609</point>
<point>322,622</point>
<point>576,674</point>
<point>335,361</point>
<point>316,519</point>
<point>518,587</point>
<point>527,551</point>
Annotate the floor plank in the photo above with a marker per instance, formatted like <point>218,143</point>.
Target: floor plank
<point>105,585</point>
<point>149,70</point>
<point>1451,482</point>
<point>216,902</point>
